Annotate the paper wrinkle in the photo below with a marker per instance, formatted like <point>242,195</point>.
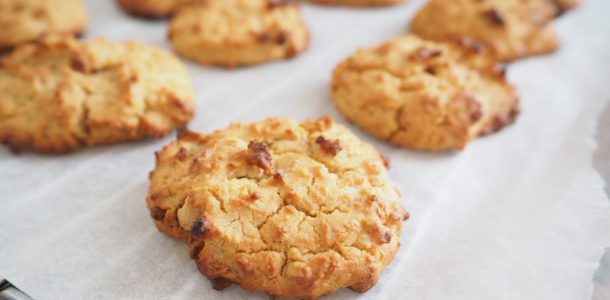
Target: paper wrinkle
<point>520,214</point>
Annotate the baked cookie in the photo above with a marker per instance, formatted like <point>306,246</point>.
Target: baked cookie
<point>239,32</point>
<point>511,29</point>
<point>358,2</point>
<point>293,210</point>
<point>150,8</point>
<point>28,20</point>
<point>425,95</point>
<point>59,94</point>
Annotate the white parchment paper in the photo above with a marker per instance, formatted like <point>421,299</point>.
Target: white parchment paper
<point>517,215</point>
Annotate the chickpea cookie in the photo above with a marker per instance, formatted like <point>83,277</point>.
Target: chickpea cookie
<point>425,95</point>
<point>28,20</point>
<point>151,8</point>
<point>59,94</point>
<point>293,210</point>
<point>511,29</point>
<point>358,2</point>
<point>233,33</point>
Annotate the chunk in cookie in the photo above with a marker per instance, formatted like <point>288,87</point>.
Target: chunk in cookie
<point>59,94</point>
<point>293,210</point>
<point>511,29</point>
<point>24,21</point>
<point>425,95</point>
<point>234,33</point>
<point>151,8</point>
<point>358,2</point>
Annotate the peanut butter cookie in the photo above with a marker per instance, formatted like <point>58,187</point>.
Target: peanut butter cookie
<point>23,21</point>
<point>60,94</point>
<point>425,95</point>
<point>150,8</point>
<point>293,210</point>
<point>232,33</point>
<point>511,29</point>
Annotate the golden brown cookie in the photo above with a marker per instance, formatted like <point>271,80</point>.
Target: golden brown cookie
<point>293,210</point>
<point>232,33</point>
<point>150,8</point>
<point>358,2</point>
<point>60,94</point>
<point>511,29</point>
<point>425,95</point>
<point>23,21</point>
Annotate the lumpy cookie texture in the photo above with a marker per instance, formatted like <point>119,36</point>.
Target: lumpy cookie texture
<point>234,33</point>
<point>23,21</point>
<point>60,94</point>
<point>151,8</point>
<point>294,210</point>
<point>510,29</point>
<point>425,95</point>
<point>358,2</point>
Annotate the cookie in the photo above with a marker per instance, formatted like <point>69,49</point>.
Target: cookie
<point>358,2</point>
<point>59,94</point>
<point>28,20</point>
<point>150,8</point>
<point>293,210</point>
<point>511,29</point>
<point>233,33</point>
<point>425,95</point>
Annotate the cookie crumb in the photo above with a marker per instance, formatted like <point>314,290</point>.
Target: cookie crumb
<point>495,17</point>
<point>387,237</point>
<point>220,283</point>
<point>426,53</point>
<point>158,213</point>
<point>259,154</point>
<point>332,147</point>
<point>198,228</point>
<point>182,154</point>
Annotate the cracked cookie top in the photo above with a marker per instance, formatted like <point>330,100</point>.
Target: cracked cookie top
<point>235,33</point>
<point>510,29</point>
<point>28,20</point>
<point>425,95</point>
<point>60,94</point>
<point>294,210</point>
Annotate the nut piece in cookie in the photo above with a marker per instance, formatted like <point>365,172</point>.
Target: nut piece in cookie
<point>293,210</point>
<point>60,94</point>
<point>151,8</point>
<point>425,95</point>
<point>564,5</point>
<point>510,29</point>
<point>233,33</point>
<point>23,21</point>
<point>358,2</point>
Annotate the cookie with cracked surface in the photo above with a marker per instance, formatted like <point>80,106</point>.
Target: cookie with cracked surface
<point>150,8</point>
<point>294,210</point>
<point>24,21</point>
<point>59,94</point>
<point>425,95</point>
<point>358,2</point>
<point>234,33</point>
<point>511,29</point>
